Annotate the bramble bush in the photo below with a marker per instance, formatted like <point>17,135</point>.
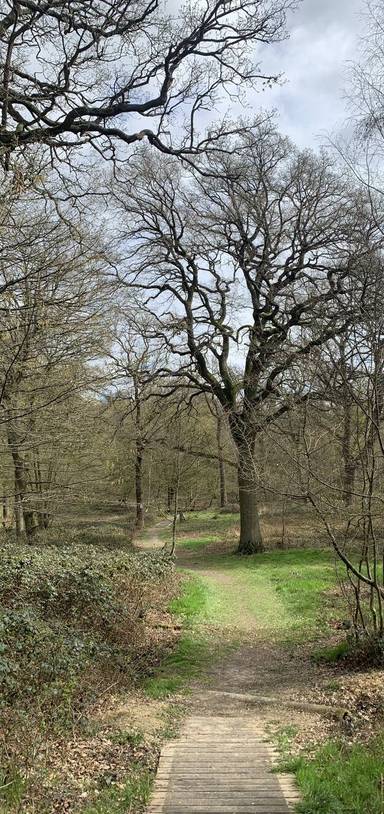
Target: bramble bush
<point>63,608</point>
<point>73,607</point>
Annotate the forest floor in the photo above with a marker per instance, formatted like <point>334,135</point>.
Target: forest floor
<point>107,649</point>
<point>266,634</point>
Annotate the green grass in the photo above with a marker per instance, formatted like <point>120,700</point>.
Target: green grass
<point>301,579</point>
<point>134,795</point>
<point>12,789</point>
<point>192,651</point>
<point>342,779</point>
<point>332,654</point>
<point>281,593</point>
<point>338,778</point>
<point>192,601</point>
<point>208,521</point>
<point>198,542</point>
<point>208,525</point>
<point>278,591</point>
<point>188,658</point>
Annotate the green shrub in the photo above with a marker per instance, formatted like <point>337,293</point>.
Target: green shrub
<point>62,608</point>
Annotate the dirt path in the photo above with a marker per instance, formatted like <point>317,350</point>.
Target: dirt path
<point>256,682</point>
<point>150,539</point>
<point>258,664</point>
<point>256,661</point>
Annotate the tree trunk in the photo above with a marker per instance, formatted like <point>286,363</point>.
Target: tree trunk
<point>139,486</point>
<point>348,474</point>
<point>5,512</point>
<point>24,513</point>
<point>222,479</point>
<point>139,457</point>
<point>42,511</point>
<point>170,498</point>
<point>27,513</point>
<point>19,520</point>
<point>348,464</point>
<point>251,541</point>
<point>176,509</point>
<point>174,521</point>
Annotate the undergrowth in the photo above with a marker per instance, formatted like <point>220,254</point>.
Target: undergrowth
<point>133,796</point>
<point>72,623</point>
<point>63,608</point>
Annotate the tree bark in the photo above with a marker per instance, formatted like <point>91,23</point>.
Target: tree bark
<point>139,486</point>
<point>251,541</point>
<point>222,478</point>
<point>24,514</point>
<point>348,465</point>
<point>42,511</point>
<point>139,458</point>
<point>5,512</point>
<point>348,475</point>
<point>170,498</point>
<point>18,511</point>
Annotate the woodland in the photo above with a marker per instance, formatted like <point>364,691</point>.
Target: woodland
<point>192,401</point>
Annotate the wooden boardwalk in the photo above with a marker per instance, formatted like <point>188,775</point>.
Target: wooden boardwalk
<point>221,765</point>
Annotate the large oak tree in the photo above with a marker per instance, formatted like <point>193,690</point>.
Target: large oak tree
<point>246,270</point>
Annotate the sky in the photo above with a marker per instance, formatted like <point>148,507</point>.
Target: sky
<point>324,37</point>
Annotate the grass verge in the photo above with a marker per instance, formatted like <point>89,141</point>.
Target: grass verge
<point>338,778</point>
<point>132,795</point>
<point>195,647</point>
<point>342,779</point>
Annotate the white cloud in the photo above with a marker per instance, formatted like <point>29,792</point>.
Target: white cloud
<point>323,39</point>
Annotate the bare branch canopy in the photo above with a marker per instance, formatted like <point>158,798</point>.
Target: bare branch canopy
<point>109,71</point>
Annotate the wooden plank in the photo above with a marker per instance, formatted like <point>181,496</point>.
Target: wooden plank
<point>282,808</point>
<point>234,782</point>
<point>224,800</point>
<point>221,765</point>
<point>222,792</point>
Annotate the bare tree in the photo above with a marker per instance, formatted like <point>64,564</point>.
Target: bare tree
<point>95,71</point>
<point>339,373</point>
<point>355,531</point>
<point>335,374</point>
<point>134,365</point>
<point>349,508</point>
<point>53,324</point>
<point>236,267</point>
<point>368,82</point>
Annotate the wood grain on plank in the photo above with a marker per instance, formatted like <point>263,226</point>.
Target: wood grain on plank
<point>221,765</point>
